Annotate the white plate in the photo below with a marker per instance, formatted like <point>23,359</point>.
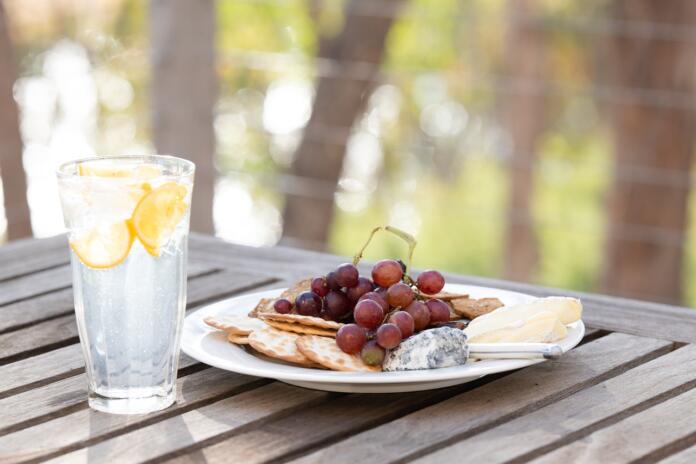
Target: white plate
<point>211,347</point>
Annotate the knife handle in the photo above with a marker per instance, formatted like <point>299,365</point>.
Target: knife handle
<point>515,351</point>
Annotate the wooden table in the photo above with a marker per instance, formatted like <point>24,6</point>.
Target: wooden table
<point>626,393</point>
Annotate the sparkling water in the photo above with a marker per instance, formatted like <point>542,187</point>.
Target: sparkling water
<point>128,318</point>
<point>129,300</point>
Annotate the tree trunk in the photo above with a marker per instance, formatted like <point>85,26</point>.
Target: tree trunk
<point>654,145</point>
<point>11,168</point>
<point>184,91</point>
<point>340,100</point>
<point>524,118</point>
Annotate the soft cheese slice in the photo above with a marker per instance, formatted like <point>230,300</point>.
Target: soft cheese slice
<point>567,310</point>
<point>542,327</point>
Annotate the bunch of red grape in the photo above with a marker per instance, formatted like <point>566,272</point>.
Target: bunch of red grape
<point>379,312</point>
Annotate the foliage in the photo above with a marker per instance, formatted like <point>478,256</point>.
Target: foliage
<point>440,157</point>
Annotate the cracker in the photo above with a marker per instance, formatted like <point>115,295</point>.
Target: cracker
<point>265,305</point>
<point>453,315</point>
<point>278,344</point>
<point>300,329</point>
<point>238,339</point>
<point>324,351</point>
<point>310,321</point>
<point>446,296</point>
<point>293,292</point>
<point>472,308</point>
<point>237,324</point>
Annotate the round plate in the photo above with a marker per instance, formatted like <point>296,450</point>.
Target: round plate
<point>211,347</point>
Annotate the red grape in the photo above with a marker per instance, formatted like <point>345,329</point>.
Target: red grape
<point>400,295</point>
<point>320,286</point>
<point>388,336</point>
<point>372,354</point>
<point>331,281</point>
<point>430,282</point>
<point>368,314</point>
<point>420,314</point>
<point>404,321</point>
<point>364,285</point>
<point>282,306</point>
<point>439,311</point>
<point>308,304</point>
<point>347,275</point>
<point>387,272</point>
<point>351,338</point>
<point>376,297</point>
<point>336,305</point>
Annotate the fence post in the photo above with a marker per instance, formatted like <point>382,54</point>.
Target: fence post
<point>184,92</point>
<point>340,100</point>
<point>524,117</point>
<point>11,167</point>
<point>654,148</point>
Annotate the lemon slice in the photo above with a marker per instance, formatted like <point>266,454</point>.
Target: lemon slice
<point>105,246</point>
<point>141,171</point>
<point>157,215</point>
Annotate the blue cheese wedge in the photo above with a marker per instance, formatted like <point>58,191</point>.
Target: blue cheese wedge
<point>430,349</point>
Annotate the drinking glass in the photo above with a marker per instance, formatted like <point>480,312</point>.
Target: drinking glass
<point>128,221</point>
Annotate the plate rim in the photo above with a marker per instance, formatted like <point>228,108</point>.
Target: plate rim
<point>193,322</point>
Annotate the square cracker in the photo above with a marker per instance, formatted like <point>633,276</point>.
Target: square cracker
<point>237,324</point>
<point>472,308</point>
<point>300,329</point>
<point>324,351</point>
<point>278,344</point>
<point>238,339</point>
<point>309,321</point>
<point>265,305</point>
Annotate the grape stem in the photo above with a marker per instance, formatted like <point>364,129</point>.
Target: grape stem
<point>405,236</point>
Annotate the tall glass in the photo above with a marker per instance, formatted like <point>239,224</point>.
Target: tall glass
<point>128,221</point>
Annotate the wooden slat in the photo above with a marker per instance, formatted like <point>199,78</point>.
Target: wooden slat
<point>534,433</point>
<point>511,396</point>
<point>49,367</point>
<point>60,302</point>
<point>63,330</point>
<point>648,433</point>
<point>53,365</point>
<point>83,427</point>
<point>33,284</point>
<point>22,257</point>
<point>291,434</point>
<point>687,456</point>
<point>330,420</point>
<point>221,419</point>
<point>56,397</point>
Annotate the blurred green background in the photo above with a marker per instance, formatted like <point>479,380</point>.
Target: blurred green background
<point>428,155</point>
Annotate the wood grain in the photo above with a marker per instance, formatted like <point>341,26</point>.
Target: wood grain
<point>40,369</point>
<point>579,413</point>
<point>193,428</point>
<point>34,284</point>
<point>336,418</point>
<point>687,456</point>
<point>60,302</point>
<point>634,437</point>
<point>22,257</point>
<point>83,427</point>
<point>50,399</point>
<point>63,330</point>
<point>24,249</point>
<point>485,407</point>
